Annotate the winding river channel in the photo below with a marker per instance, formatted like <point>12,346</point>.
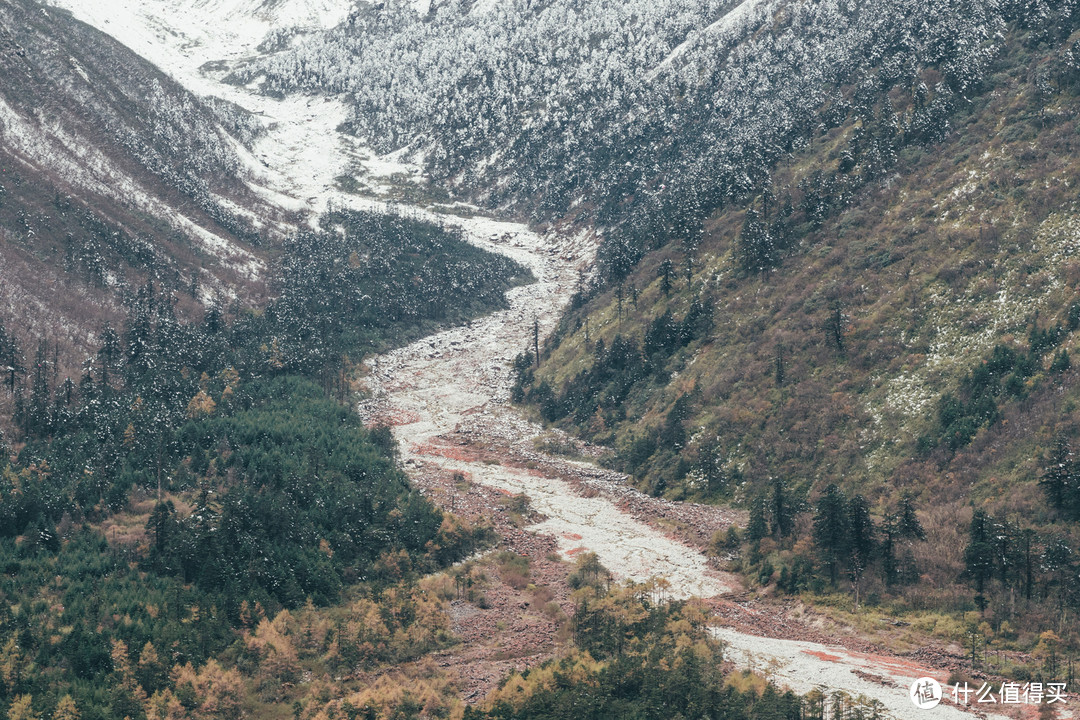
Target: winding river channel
<point>458,380</point>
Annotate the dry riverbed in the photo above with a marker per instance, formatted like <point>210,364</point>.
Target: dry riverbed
<point>447,398</point>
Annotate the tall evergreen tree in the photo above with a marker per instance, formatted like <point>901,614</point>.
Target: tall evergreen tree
<point>862,541</point>
<point>665,277</point>
<point>979,554</point>
<point>109,355</point>
<point>890,569</point>
<point>1059,475</point>
<point>907,521</point>
<point>756,250</point>
<point>757,527</point>
<point>779,370</point>
<point>781,509</point>
<point>836,326</point>
<point>903,525</point>
<point>10,360</point>
<point>37,418</point>
<point>831,527</point>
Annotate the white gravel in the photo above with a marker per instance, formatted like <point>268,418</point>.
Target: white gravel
<point>441,380</point>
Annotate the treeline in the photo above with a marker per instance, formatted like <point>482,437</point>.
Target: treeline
<point>814,547</point>
<point>1022,579</point>
<point>364,281</point>
<point>199,476</point>
<point>595,400</point>
<point>1016,587</point>
<point>615,370</point>
<point>657,124</point>
<point>826,184</point>
<point>635,658</point>
<point>367,279</point>
<point>1009,558</point>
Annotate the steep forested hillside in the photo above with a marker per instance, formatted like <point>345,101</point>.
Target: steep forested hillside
<point>892,309</point>
<point>111,175</point>
<point>838,243</point>
<point>837,239</point>
<point>837,287</point>
<point>657,110</point>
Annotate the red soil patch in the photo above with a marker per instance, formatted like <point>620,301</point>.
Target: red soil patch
<point>571,536</point>
<point>452,453</point>
<point>899,666</point>
<point>402,417</point>
<point>823,655</point>
<point>575,551</point>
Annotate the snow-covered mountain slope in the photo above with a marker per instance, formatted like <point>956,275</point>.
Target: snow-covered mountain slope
<point>181,37</point>
<point>614,105</point>
<point>112,174</point>
<point>300,153</point>
<point>122,154</point>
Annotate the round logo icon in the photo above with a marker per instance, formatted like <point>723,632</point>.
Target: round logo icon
<point>925,693</point>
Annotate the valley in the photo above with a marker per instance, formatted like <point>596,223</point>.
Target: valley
<point>447,396</point>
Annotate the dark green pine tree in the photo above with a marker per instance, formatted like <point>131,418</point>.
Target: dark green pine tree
<point>899,527</point>
<point>163,528</point>
<point>779,371</point>
<point>757,527</point>
<point>862,541</point>
<point>37,420</point>
<point>890,569</point>
<point>10,360</point>
<point>836,326</point>
<point>109,355</point>
<point>756,249</point>
<point>907,521</point>
<point>666,269</point>
<point>1058,478</point>
<point>1059,564</point>
<point>979,554</point>
<point>781,510</point>
<point>1061,362</point>
<point>831,528</point>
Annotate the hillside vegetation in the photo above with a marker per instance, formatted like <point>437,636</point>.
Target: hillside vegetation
<point>112,175</point>
<point>838,287</point>
<point>203,479</point>
<point>892,311</point>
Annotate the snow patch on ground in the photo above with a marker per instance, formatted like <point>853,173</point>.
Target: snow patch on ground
<point>44,143</point>
<point>295,163</point>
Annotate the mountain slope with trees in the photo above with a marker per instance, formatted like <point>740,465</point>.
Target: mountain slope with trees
<point>203,478</point>
<point>111,174</point>
<point>838,288</point>
<point>889,316</point>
